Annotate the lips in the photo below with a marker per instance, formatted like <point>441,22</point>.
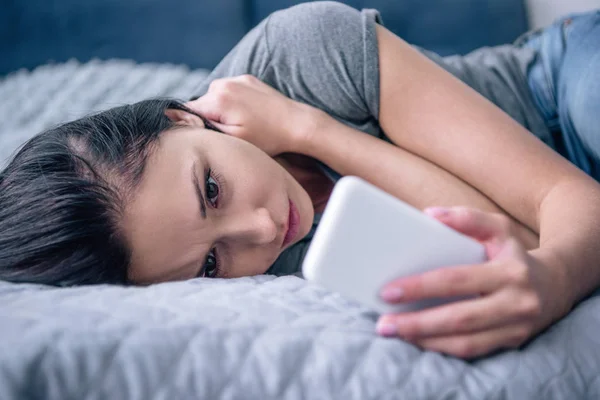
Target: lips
<point>293,225</point>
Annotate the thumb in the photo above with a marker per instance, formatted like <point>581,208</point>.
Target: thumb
<point>233,130</point>
<point>477,224</point>
<point>207,107</point>
<point>210,115</point>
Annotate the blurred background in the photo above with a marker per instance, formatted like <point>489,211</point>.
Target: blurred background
<point>198,33</point>
<point>543,12</point>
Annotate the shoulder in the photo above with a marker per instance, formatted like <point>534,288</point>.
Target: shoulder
<point>317,21</point>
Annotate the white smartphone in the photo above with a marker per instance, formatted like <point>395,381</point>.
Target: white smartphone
<point>367,238</point>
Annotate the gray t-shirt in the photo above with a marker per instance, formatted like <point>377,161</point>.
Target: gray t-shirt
<point>325,54</point>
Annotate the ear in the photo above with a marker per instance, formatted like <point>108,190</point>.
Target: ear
<point>184,118</point>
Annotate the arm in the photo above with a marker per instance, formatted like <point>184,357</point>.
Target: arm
<point>299,128</point>
<point>521,293</point>
<point>519,173</point>
<point>405,175</point>
<point>312,132</point>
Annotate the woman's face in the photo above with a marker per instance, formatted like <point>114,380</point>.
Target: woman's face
<point>213,205</point>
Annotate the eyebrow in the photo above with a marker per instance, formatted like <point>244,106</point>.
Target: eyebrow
<point>196,183</point>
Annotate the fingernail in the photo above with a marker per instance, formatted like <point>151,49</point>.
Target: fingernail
<point>392,294</point>
<point>437,211</point>
<point>386,329</point>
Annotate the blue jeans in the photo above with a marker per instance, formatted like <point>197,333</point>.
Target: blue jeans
<point>564,80</point>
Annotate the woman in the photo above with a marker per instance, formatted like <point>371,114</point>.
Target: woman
<point>150,192</point>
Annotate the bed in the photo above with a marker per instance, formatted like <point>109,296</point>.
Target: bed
<point>251,338</point>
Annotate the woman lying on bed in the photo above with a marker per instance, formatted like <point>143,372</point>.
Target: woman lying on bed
<point>151,192</point>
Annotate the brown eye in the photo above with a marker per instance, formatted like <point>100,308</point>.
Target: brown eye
<point>211,266</point>
<point>212,190</point>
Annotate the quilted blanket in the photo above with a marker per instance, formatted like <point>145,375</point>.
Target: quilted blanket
<point>250,338</point>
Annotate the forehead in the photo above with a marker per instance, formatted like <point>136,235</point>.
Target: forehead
<point>162,221</point>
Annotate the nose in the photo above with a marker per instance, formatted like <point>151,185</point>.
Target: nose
<point>254,227</point>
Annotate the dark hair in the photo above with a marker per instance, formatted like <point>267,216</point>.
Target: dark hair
<point>63,193</point>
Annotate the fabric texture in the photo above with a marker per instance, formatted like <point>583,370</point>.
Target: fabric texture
<point>59,93</point>
<point>460,25</point>
<point>565,82</point>
<point>260,338</point>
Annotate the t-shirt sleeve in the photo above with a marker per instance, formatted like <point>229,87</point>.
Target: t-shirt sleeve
<point>324,54</point>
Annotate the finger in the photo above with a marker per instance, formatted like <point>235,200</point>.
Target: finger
<point>212,116</point>
<point>464,280</point>
<point>462,317</point>
<point>480,225</point>
<point>478,344</point>
<point>232,130</point>
<point>207,106</point>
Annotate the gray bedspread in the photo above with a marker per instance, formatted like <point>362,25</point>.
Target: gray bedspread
<point>248,338</point>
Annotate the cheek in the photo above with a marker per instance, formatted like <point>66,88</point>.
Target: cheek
<point>254,263</point>
<point>257,170</point>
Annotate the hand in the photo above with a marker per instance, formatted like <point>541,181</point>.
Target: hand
<point>249,109</point>
<point>516,295</point>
